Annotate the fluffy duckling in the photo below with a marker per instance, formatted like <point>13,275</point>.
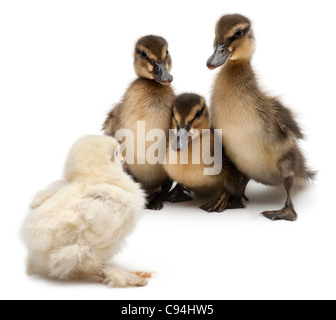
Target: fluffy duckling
<point>76,225</point>
<point>190,118</point>
<point>148,99</point>
<point>260,135</point>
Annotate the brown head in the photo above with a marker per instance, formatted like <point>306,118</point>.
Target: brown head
<point>152,59</point>
<point>234,41</point>
<point>189,117</point>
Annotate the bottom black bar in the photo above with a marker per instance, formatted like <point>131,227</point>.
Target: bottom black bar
<point>167,309</point>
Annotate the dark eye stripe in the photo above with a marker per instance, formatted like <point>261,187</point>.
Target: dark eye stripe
<point>235,37</point>
<point>151,61</point>
<point>196,116</point>
<point>143,54</point>
<point>189,124</point>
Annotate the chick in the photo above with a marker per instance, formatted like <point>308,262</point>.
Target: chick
<point>260,135</point>
<point>148,99</point>
<point>77,225</point>
<point>193,137</point>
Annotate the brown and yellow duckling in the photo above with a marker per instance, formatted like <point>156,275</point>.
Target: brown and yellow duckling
<point>260,135</point>
<point>189,118</point>
<point>148,99</point>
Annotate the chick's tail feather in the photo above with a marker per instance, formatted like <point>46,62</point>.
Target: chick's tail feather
<point>64,262</point>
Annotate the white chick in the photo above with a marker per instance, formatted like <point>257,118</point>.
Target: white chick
<point>76,225</point>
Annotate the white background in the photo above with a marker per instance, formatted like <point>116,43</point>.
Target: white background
<point>64,63</point>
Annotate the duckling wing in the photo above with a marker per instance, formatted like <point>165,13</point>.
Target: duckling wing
<point>107,218</point>
<point>112,121</point>
<point>286,121</point>
<point>279,120</point>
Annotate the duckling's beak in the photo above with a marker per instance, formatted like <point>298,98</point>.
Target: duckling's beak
<point>161,74</point>
<point>219,57</point>
<point>182,140</point>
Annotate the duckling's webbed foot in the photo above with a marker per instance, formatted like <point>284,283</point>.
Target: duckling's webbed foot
<point>287,213</point>
<point>179,194</point>
<point>237,203</point>
<point>218,205</point>
<point>154,201</point>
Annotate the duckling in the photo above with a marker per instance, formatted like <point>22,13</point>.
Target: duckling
<point>260,135</point>
<point>189,118</point>
<point>148,99</point>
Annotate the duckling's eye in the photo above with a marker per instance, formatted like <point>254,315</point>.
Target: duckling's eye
<point>167,53</point>
<point>239,33</point>
<point>198,115</point>
<point>144,55</point>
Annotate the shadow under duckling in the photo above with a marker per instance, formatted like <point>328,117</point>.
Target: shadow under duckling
<point>148,99</point>
<point>193,161</point>
<point>260,135</point>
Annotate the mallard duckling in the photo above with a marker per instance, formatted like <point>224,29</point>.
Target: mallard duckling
<point>148,99</point>
<point>190,118</point>
<point>260,135</point>
<point>76,225</point>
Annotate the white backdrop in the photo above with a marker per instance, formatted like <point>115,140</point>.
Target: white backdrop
<point>64,63</point>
